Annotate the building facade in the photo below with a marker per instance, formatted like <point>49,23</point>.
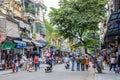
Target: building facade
<point>111,26</point>
<point>22,29</point>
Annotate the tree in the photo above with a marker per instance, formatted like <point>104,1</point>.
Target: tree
<point>51,32</point>
<point>75,18</point>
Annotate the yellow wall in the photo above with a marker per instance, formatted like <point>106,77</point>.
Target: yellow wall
<point>15,6</point>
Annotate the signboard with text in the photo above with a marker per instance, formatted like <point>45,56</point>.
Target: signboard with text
<point>114,29</point>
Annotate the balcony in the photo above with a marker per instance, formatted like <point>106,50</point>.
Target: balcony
<point>41,4</point>
<point>24,35</point>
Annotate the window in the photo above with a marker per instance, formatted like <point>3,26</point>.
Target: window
<point>40,28</point>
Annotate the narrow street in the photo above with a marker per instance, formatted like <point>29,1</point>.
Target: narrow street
<point>59,73</point>
<point>82,34</point>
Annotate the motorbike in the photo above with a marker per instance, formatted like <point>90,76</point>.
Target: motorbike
<point>67,65</point>
<point>48,69</point>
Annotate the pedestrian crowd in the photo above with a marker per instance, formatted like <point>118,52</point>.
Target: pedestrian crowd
<point>81,62</point>
<point>27,64</point>
<point>109,57</point>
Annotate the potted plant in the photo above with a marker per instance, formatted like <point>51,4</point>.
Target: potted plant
<point>34,35</point>
<point>24,34</point>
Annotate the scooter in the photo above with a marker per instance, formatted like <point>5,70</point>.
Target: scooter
<point>48,69</point>
<point>67,65</point>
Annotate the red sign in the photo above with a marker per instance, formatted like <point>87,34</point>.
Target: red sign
<point>2,38</point>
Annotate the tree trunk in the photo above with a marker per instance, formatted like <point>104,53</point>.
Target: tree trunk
<point>95,60</point>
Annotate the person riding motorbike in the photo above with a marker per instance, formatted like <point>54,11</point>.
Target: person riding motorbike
<point>48,62</point>
<point>66,61</point>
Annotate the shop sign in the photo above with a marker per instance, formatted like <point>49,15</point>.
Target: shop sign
<point>20,44</point>
<point>114,29</point>
<point>26,40</point>
<point>2,38</point>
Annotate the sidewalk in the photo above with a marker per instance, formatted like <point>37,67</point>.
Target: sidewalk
<point>10,71</point>
<point>107,75</point>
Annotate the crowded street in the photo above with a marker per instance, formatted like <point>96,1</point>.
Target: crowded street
<point>59,39</point>
<point>59,73</point>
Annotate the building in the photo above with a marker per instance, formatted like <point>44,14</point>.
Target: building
<point>110,28</point>
<point>34,10</point>
<point>21,28</point>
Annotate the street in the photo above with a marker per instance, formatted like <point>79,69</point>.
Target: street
<point>59,73</point>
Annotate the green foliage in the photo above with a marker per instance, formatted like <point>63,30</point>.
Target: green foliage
<point>51,33</point>
<point>34,35</point>
<point>76,18</point>
<point>24,33</point>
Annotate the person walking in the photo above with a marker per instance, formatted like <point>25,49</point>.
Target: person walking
<point>100,61</point>
<point>73,62</point>
<point>112,62</point>
<point>36,62</point>
<point>78,63</point>
<point>82,63</point>
<point>86,62</point>
<point>13,66</point>
<point>24,61</point>
<point>29,68</point>
<point>39,62</point>
<point>16,65</point>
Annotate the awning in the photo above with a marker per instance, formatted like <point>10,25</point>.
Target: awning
<point>26,40</point>
<point>37,44</point>
<point>20,46</point>
<point>44,43</point>
<point>20,42</point>
<point>53,48</point>
<point>8,45</point>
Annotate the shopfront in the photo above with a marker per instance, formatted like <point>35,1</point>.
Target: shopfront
<point>37,47</point>
<point>2,39</point>
<point>43,45</point>
<point>113,30</point>
<point>10,28</point>
<point>20,46</point>
<point>7,54</point>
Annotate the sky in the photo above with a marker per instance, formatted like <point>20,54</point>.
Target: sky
<point>50,3</point>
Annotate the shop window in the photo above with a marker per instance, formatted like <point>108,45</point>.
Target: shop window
<point>18,51</point>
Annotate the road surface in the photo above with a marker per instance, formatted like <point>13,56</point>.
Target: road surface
<point>59,73</point>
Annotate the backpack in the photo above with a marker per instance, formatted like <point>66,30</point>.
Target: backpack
<point>78,60</point>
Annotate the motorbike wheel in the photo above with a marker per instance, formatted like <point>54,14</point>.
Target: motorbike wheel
<point>46,71</point>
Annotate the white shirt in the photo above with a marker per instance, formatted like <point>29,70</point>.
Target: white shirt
<point>100,58</point>
<point>24,58</point>
<point>112,60</point>
<point>16,64</point>
<point>66,59</point>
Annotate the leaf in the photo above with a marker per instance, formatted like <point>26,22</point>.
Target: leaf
<point>75,18</point>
